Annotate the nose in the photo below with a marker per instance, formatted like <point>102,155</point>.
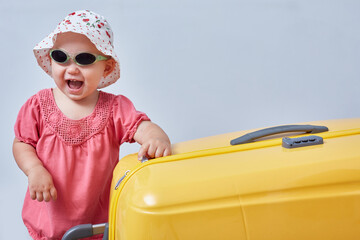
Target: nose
<point>72,68</point>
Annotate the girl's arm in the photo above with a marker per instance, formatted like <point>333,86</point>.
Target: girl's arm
<point>154,141</point>
<point>41,186</point>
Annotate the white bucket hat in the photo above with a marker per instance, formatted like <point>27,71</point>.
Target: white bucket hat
<point>94,27</point>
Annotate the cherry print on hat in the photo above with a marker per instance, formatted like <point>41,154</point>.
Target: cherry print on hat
<point>93,26</point>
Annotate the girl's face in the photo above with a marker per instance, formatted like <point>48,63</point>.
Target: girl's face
<point>78,82</point>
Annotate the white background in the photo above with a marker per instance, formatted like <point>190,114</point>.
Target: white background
<point>197,67</point>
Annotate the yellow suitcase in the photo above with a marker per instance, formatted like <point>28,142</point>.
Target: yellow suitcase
<point>289,185</point>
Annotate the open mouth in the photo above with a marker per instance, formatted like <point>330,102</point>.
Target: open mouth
<point>73,84</point>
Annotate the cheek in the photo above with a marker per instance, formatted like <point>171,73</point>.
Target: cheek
<point>55,69</point>
<point>96,72</point>
<point>92,77</point>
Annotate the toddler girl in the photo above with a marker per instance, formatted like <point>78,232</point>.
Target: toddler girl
<point>67,138</point>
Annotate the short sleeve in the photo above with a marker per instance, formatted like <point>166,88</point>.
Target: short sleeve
<point>27,122</point>
<point>126,119</point>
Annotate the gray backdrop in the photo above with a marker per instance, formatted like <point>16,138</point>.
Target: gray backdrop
<point>197,67</point>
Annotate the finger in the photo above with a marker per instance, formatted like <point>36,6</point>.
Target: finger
<point>151,151</point>
<point>32,194</point>
<point>167,152</point>
<point>46,196</point>
<point>53,193</point>
<point>39,196</point>
<point>159,152</point>
<point>142,151</point>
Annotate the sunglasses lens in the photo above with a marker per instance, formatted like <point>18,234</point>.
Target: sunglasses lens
<point>85,58</point>
<point>59,56</point>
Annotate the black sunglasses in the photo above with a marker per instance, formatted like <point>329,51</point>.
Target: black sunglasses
<point>82,59</point>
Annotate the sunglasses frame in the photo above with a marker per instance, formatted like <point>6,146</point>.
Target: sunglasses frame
<point>68,56</point>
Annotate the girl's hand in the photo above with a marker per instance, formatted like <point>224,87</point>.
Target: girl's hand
<point>41,186</point>
<point>155,148</point>
<point>154,141</point>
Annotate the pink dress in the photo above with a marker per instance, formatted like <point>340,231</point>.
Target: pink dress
<point>79,154</point>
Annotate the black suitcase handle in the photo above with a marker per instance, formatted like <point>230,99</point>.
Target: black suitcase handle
<point>250,137</point>
<point>86,230</point>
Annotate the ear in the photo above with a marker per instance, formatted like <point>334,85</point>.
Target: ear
<point>109,66</point>
<point>49,58</point>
